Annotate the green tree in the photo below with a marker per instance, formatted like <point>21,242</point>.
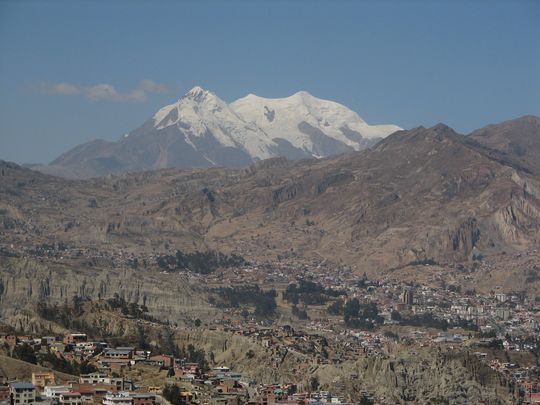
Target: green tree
<point>314,383</point>
<point>352,307</point>
<point>87,368</point>
<point>171,392</point>
<point>25,352</point>
<point>335,308</point>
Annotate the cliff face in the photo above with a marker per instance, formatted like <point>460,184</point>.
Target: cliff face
<point>455,376</point>
<point>407,377</point>
<point>26,282</point>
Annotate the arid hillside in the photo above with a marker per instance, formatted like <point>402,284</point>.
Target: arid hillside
<point>422,194</point>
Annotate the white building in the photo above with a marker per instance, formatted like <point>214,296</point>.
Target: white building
<point>54,391</point>
<point>118,399</point>
<point>23,393</point>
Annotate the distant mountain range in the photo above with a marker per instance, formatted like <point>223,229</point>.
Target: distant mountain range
<point>201,130</point>
<point>423,195</point>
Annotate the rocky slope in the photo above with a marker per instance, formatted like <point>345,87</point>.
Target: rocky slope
<point>417,195</point>
<point>406,377</point>
<point>14,369</point>
<point>26,282</point>
<point>515,142</point>
<point>201,130</point>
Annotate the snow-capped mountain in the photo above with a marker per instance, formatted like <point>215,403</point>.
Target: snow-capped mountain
<point>305,121</point>
<point>201,130</point>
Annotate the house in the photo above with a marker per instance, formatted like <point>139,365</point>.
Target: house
<point>162,360</point>
<point>11,340</point>
<point>42,379</point>
<point>54,391</point>
<point>124,353</point>
<point>121,384</point>
<point>57,347</point>
<point>534,398</point>
<point>93,393</point>
<point>4,393</point>
<point>90,396</point>
<point>116,384</point>
<point>118,399</point>
<point>143,399</point>
<point>48,340</point>
<point>70,398</point>
<point>73,338</point>
<point>23,393</point>
<point>93,378</point>
<point>114,364</point>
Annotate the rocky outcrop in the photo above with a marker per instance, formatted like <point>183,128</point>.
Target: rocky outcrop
<point>407,377</point>
<point>433,376</point>
<point>26,282</point>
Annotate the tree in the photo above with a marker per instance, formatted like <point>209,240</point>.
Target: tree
<point>299,313</point>
<point>335,308</point>
<point>395,316</point>
<point>87,368</point>
<point>314,383</point>
<point>171,392</point>
<point>25,352</point>
<point>352,307</point>
<point>167,342</point>
<point>142,340</point>
<point>77,305</point>
<point>266,305</point>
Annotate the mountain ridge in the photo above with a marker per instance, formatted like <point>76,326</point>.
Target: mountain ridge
<point>201,130</point>
<point>425,194</point>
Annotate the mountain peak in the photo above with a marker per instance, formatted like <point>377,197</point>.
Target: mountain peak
<point>442,129</point>
<point>197,93</point>
<point>302,94</point>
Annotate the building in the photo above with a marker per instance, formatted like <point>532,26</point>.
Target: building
<point>92,392</point>
<point>94,378</point>
<point>124,353</point>
<point>42,379</point>
<point>162,360</point>
<point>503,313</point>
<point>54,391</point>
<point>118,399</point>
<point>70,398</point>
<point>117,384</point>
<point>4,393</point>
<point>501,297</point>
<point>407,297</point>
<point>23,393</point>
<point>71,338</point>
<point>143,399</point>
<point>11,340</point>
<point>48,340</point>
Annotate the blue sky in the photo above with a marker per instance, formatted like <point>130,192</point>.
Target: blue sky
<point>464,63</point>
